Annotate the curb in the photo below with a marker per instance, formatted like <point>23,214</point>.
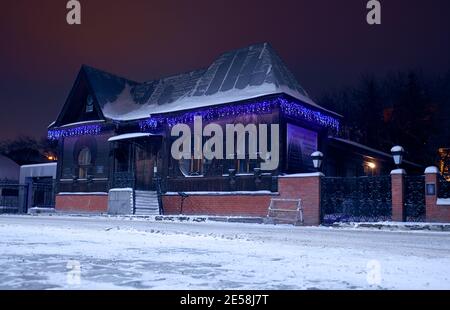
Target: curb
<point>200,219</point>
<point>397,226</point>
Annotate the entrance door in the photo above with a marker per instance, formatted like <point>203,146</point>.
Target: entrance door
<point>145,161</point>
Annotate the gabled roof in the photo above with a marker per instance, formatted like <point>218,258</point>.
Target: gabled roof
<point>237,75</point>
<point>106,86</point>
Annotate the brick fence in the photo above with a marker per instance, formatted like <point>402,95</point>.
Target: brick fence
<point>222,204</point>
<point>398,195</point>
<point>82,203</point>
<point>305,187</point>
<point>438,210</point>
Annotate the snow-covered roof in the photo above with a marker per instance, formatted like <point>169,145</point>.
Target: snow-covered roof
<point>237,75</point>
<point>128,136</point>
<point>9,169</point>
<point>38,170</point>
<point>367,148</point>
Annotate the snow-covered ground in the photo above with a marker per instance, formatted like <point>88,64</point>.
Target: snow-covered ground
<point>54,252</point>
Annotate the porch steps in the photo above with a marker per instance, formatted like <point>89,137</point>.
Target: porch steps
<point>146,203</point>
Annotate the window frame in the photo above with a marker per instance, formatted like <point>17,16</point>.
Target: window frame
<point>84,164</point>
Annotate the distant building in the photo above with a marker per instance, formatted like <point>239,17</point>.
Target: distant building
<point>39,179</point>
<point>9,178</point>
<point>9,170</point>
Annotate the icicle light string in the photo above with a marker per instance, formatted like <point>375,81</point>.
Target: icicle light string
<point>289,108</point>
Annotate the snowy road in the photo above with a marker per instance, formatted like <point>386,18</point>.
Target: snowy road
<point>111,253</point>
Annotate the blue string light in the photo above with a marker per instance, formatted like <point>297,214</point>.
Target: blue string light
<point>155,123</point>
<point>56,134</point>
<point>289,108</point>
<point>296,110</point>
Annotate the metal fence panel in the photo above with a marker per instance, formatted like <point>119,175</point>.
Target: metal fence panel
<point>444,188</point>
<point>415,199</point>
<point>13,198</point>
<point>356,199</point>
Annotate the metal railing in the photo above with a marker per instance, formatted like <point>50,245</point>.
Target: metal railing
<point>356,199</point>
<point>123,180</point>
<point>13,197</point>
<point>415,209</point>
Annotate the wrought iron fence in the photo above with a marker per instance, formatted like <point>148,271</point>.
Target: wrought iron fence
<point>223,184</point>
<point>13,198</point>
<point>123,179</point>
<point>444,188</point>
<point>356,199</point>
<point>415,198</point>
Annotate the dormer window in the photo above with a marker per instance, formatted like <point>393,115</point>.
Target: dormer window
<point>89,104</point>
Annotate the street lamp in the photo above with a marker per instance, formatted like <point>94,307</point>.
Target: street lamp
<point>317,158</point>
<point>398,152</point>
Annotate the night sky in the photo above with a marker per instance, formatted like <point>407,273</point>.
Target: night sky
<point>327,44</point>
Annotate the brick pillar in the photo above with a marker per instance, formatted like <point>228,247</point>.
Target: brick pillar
<point>307,188</point>
<point>431,181</point>
<point>398,195</point>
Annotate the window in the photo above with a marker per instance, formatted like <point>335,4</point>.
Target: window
<point>301,143</point>
<point>89,104</point>
<point>192,166</point>
<point>246,165</point>
<point>84,163</point>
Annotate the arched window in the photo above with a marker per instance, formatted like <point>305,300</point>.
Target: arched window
<point>84,163</point>
<point>89,104</point>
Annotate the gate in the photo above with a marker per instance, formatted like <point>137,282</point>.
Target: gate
<point>415,210</point>
<point>356,199</point>
<point>43,195</point>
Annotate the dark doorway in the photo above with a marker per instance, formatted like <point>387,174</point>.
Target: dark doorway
<point>43,193</point>
<point>144,163</point>
<point>134,163</point>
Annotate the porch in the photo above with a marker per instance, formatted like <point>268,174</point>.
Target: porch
<point>135,161</point>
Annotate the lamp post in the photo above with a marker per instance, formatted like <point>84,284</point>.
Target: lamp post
<point>397,153</point>
<point>317,158</point>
